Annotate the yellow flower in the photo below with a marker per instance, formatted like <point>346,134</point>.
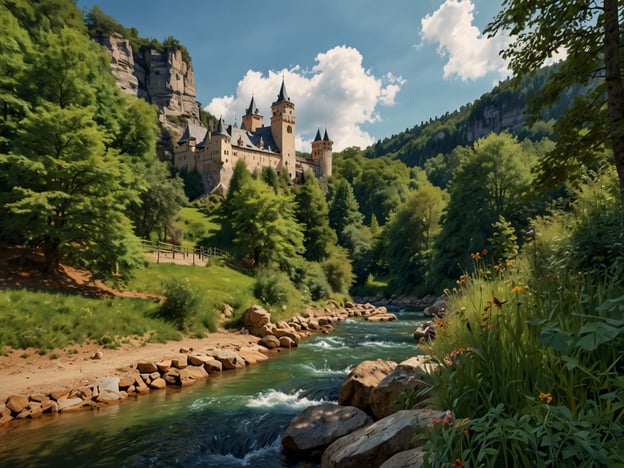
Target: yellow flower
<point>517,289</point>
<point>547,397</point>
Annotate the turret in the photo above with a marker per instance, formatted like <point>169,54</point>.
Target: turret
<point>252,118</point>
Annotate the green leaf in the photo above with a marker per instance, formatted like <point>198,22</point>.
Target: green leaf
<point>594,334</point>
<point>556,339</point>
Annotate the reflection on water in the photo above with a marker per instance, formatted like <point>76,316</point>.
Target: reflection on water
<point>233,419</point>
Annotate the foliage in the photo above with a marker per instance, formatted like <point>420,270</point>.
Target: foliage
<point>338,271</point>
<point>408,239</point>
<point>531,350</point>
<point>181,303</point>
<point>315,282</point>
<point>274,288</point>
<point>265,227</point>
<point>312,213</point>
<point>490,182</point>
<point>590,34</point>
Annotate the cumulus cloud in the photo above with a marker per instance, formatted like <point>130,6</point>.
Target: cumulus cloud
<point>470,55</point>
<point>338,93</point>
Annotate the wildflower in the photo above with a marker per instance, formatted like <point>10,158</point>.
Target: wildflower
<point>476,256</point>
<point>462,279</point>
<point>547,397</point>
<point>484,252</point>
<point>517,289</point>
<point>458,463</point>
<point>448,417</point>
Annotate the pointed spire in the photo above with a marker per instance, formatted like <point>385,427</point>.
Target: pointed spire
<point>252,109</point>
<point>283,95</point>
<point>318,135</point>
<point>221,127</point>
<point>326,136</point>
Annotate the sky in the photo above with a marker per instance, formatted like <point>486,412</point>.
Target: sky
<point>362,69</point>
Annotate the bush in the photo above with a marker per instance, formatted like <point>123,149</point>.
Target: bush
<point>183,301</point>
<point>275,290</point>
<point>338,271</point>
<point>316,283</point>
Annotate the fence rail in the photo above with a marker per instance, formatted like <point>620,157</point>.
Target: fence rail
<point>170,253</point>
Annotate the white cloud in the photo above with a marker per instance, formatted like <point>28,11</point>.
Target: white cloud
<point>470,54</point>
<point>337,94</point>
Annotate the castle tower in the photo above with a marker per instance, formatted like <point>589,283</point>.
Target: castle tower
<point>283,130</point>
<point>252,118</point>
<point>326,156</point>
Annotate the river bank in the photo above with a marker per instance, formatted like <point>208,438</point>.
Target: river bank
<point>31,384</point>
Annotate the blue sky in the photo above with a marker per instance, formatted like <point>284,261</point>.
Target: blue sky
<point>363,69</point>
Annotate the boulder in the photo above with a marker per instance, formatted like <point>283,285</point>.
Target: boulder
<point>255,317</point>
<point>146,367</point>
<point>140,385</point>
<point>158,384</point>
<point>425,331</point>
<point>270,342</point>
<point>180,362</point>
<point>198,359</point>
<point>413,458</point>
<point>437,309</point>
<point>17,403</point>
<point>357,386</point>
<point>287,332</point>
<point>163,366</point>
<point>316,427</point>
<point>252,355</point>
<point>172,376</point>
<point>408,376</point>
<point>108,389</point>
<point>229,359</point>
<point>287,342</point>
<point>374,444</point>
<point>212,365</point>
<point>381,318</point>
<point>68,404</point>
<point>192,374</point>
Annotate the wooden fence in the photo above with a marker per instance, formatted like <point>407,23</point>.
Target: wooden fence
<point>170,253</point>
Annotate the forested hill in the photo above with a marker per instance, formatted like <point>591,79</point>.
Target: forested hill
<point>501,109</point>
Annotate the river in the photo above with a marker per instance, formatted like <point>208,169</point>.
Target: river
<point>231,420</point>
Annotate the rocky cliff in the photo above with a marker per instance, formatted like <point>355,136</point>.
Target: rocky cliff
<point>162,78</point>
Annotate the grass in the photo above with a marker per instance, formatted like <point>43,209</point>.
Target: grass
<point>198,227</point>
<point>45,320</point>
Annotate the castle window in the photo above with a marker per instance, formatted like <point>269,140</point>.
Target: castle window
<point>289,129</point>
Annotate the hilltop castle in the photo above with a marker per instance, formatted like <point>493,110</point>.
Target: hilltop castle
<point>214,153</point>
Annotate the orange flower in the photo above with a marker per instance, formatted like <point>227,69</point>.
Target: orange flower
<point>547,397</point>
<point>517,289</point>
<point>458,463</point>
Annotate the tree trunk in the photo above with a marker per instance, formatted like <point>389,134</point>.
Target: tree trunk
<point>615,92</point>
<point>52,256</point>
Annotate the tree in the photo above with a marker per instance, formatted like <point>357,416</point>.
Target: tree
<point>344,210</point>
<point>264,225</point>
<point>312,213</point>
<point>590,33</point>
<point>66,191</point>
<point>409,237</point>
<point>492,181</point>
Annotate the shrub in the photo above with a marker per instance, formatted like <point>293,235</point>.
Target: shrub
<point>182,302</point>
<point>315,282</point>
<point>338,271</point>
<point>275,290</point>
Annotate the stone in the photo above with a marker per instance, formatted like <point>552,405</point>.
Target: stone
<point>437,309</point>
<point>141,386</point>
<point>425,331</point>
<point>413,458</point>
<point>180,362</point>
<point>252,355</point>
<point>39,397</point>
<point>198,359</point>
<point>316,427</point>
<point>408,376</point>
<point>381,318</point>
<point>269,342</point>
<point>97,355</point>
<point>85,392</point>
<point>255,317</point>
<point>70,403</point>
<point>358,384</point>
<point>163,366</point>
<point>229,359</point>
<point>146,367</point>
<point>17,403</point>
<point>287,342</point>
<point>192,374</point>
<point>212,365</point>
<point>49,406</point>
<point>172,377</point>
<point>158,384</point>
<point>125,381</point>
<point>57,395</point>
<point>35,409</point>
<point>287,332</point>
<point>374,444</point>
<point>108,389</point>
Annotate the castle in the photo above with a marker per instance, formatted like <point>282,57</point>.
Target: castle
<point>213,154</point>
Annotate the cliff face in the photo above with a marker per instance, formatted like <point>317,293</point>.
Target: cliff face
<point>161,78</point>
<point>494,119</point>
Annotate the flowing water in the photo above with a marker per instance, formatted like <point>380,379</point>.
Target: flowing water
<point>233,419</point>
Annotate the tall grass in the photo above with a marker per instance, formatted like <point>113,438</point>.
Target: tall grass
<point>531,357</point>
